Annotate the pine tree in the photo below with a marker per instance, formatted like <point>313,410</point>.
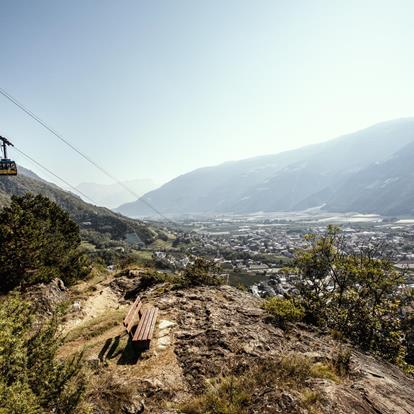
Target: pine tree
<point>38,241</point>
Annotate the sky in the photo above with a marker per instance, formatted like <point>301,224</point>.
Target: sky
<point>154,89</point>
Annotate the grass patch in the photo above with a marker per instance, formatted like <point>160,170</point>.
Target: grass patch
<point>109,394</point>
<point>142,257</point>
<point>96,326</point>
<point>327,371</point>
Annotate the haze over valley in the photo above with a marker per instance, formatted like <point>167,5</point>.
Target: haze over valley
<point>113,195</point>
<point>368,171</point>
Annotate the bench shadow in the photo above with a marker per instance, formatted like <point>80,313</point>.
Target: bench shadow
<point>130,354</point>
<point>104,349</point>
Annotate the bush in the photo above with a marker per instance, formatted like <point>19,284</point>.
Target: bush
<point>151,278</point>
<point>341,361</point>
<point>38,242</point>
<point>355,293</point>
<point>283,310</point>
<point>200,273</point>
<point>31,379</point>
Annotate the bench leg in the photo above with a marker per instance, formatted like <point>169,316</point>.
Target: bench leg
<point>142,345</point>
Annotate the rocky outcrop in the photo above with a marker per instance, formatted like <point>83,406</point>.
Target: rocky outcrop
<point>47,296</point>
<point>207,333</point>
<point>220,330</point>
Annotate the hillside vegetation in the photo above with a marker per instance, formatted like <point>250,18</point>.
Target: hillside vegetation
<point>87,216</point>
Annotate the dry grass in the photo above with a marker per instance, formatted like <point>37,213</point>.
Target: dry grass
<point>97,326</point>
<point>108,394</point>
<point>235,394</point>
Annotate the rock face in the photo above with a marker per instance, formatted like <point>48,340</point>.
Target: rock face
<point>214,330</point>
<point>47,296</point>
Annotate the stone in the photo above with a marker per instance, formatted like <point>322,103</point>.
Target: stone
<point>134,406</point>
<point>164,324</point>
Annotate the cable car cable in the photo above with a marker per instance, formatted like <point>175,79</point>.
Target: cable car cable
<point>70,185</point>
<point>87,158</point>
<point>55,175</point>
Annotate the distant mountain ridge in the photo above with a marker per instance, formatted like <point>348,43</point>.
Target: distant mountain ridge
<point>321,174</point>
<point>113,195</point>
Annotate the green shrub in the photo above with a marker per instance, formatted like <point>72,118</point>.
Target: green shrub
<point>201,272</point>
<point>355,293</point>
<point>38,242</point>
<point>341,361</point>
<point>283,310</point>
<point>32,380</point>
<point>151,278</point>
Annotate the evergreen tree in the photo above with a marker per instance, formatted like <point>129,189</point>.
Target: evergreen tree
<point>38,241</point>
<point>32,380</point>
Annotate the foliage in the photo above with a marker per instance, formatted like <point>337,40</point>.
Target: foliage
<point>355,292</point>
<point>283,310</point>
<point>151,278</point>
<point>32,380</point>
<point>201,272</point>
<point>341,361</point>
<point>38,241</point>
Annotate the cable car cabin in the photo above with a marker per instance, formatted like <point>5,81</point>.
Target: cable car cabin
<point>7,167</point>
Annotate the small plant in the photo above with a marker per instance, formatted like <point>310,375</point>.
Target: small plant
<point>342,361</point>
<point>283,310</point>
<point>310,400</point>
<point>324,370</point>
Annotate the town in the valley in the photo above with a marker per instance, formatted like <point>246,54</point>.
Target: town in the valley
<point>254,250</point>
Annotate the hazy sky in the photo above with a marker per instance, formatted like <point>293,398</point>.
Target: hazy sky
<point>158,88</point>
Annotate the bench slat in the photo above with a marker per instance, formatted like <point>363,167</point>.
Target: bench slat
<point>145,332</point>
<point>142,324</point>
<point>131,311</point>
<point>133,317</point>
<point>153,323</point>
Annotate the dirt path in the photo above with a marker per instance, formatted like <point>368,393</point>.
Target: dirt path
<point>101,301</point>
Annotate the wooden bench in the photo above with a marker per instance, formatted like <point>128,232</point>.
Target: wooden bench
<point>140,323</point>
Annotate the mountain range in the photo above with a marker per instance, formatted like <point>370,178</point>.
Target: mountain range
<point>368,171</point>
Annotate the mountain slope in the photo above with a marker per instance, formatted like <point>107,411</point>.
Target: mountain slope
<point>88,216</point>
<point>292,180</point>
<point>385,187</point>
<point>112,195</point>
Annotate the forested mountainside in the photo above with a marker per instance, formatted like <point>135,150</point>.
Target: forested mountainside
<point>322,174</point>
<point>88,216</point>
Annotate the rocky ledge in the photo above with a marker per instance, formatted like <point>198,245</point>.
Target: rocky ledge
<point>219,331</point>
